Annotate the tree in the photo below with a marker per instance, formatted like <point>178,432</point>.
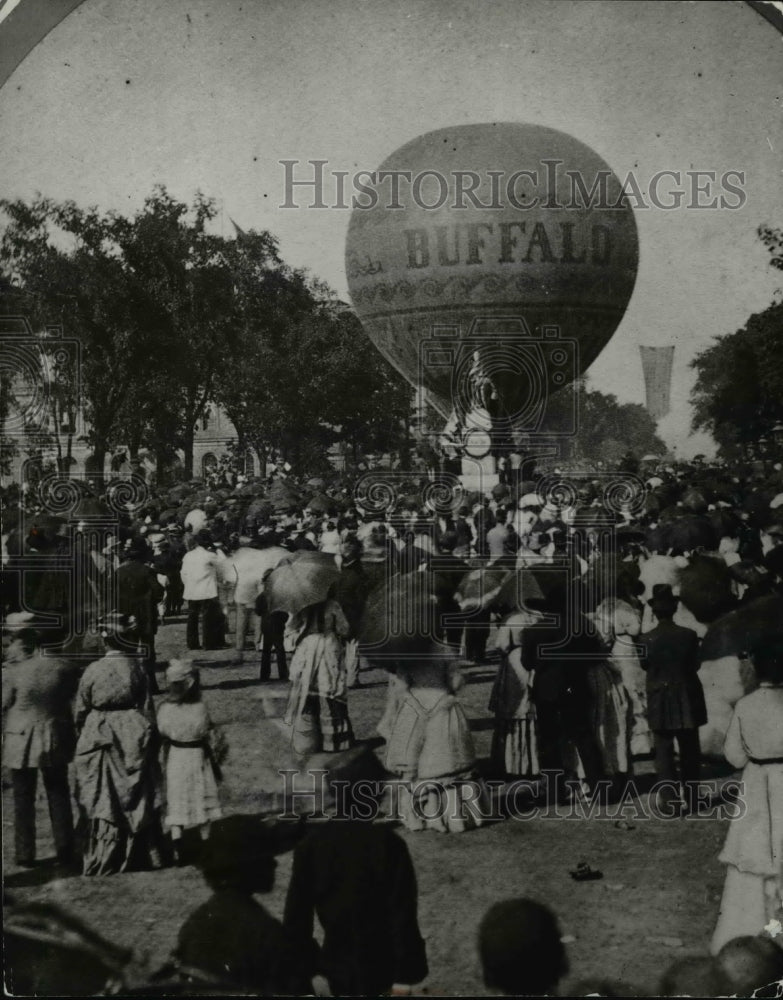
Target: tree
<point>773,240</point>
<point>149,299</point>
<point>738,395</point>
<point>365,400</point>
<point>183,295</point>
<point>64,262</point>
<point>304,375</point>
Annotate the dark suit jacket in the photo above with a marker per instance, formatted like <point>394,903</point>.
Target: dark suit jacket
<point>562,672</point>
<point>138,593</point>
<point>675,698</point>
<point>359,879</point>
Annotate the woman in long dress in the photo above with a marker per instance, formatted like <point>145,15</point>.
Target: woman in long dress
<point>514,749</point>
<point>611,702</point>
<point>753,851</point>
<point>430,749</point>
<point>117,773</point>
<point>318,704</point>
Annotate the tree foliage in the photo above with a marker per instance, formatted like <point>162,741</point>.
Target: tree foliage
<point>171,316</point>
<point>594,426</point>
<point>738,395</point>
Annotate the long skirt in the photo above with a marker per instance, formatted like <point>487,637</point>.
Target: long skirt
<point>117,787</point>
<point>748,904</point>
<point>446,805</point>
<point>109,848</point>
<point>514,747</point>
<point>322,726</point>
<point>611,719</point>
<point>191,789</point>
<point>432,751</point>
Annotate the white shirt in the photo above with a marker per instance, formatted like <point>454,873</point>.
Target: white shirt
<point>199,574</point>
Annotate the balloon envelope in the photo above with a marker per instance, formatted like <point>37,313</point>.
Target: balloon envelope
<point>518,284</point>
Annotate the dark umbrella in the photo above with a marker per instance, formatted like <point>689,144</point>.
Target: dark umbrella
<point>695,502</point>
<point>627,533</point>
<point>757,503</point>
<point>725,522</point>
<point>481,586</point>
<point>519,587</point>
<point>300,581</point>
<point>692,532</point>
<point>282,496</point>
<point>670,514</point>
<point>749,627</point>
<point>320,504</point>
<point>260,509</point>
<point>657,539</point>
<point>403,619</point>
<point>705,588</point>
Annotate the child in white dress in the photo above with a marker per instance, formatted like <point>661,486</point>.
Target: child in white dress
<point>752,899</point>
<point>191,770</point>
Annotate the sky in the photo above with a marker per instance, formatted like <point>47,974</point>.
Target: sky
<point>212,94</point>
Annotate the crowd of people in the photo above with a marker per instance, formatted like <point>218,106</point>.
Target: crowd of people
<point>620,629</point>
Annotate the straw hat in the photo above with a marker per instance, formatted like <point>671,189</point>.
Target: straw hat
<point>181,674</point>
<point>115,623</point>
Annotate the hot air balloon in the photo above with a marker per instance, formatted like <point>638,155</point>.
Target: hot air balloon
<point>491,263</point>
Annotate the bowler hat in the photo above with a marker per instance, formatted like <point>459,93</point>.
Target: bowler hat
<point>663,598</point>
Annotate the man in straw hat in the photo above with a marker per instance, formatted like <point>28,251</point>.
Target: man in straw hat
<point>675,698</point>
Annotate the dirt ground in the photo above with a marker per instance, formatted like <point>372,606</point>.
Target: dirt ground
<point>657,901</point>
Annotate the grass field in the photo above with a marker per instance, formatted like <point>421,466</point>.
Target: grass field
<point>657,901</point>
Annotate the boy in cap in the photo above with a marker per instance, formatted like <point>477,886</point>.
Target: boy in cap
<point>675,698</point>
<point>231,937</point>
